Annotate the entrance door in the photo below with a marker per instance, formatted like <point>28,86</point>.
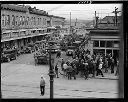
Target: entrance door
<point>116,55</point>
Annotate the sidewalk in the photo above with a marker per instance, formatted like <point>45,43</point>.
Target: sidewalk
<point>108,76</point>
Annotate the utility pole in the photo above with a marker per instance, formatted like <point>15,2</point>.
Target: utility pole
<point>96,20</point>
<point>70,24</point>
<point>76,22</point>
<point>116,12</point>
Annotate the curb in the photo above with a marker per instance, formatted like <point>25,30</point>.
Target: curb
<point>98,77</point>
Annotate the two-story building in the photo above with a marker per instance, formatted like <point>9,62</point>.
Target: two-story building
<point>22,24</point>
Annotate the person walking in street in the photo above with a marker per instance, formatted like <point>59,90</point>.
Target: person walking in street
<point>62,62</point>
<point>117,70</point>
<point>56,70</point>
<point>69,72</point>
<point>94,68</point>
<point>112,65</point>
<point>65,69</point>
<point>99,71</point>
<point>86,70</point>
<point>42,85</point>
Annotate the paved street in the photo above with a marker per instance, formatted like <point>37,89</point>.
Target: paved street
<point>20,79</point>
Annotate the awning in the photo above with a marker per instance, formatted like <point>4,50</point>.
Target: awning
<point>9,39</point>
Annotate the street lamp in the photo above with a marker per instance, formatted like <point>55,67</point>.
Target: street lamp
<point>51,71</point>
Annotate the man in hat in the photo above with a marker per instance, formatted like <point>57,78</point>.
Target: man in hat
<point>42,85</point>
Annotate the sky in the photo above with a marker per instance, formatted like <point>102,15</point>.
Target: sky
<point>79,11</point>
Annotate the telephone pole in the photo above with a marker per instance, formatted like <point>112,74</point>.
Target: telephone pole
<point>116,12</point>
<point>70,24</point>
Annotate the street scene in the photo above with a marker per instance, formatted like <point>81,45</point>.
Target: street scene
<point>47,55</point>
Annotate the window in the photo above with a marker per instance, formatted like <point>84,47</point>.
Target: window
<point>38,21</point>
<point>7,20</point>
<point>13,20</point>
<point>109,44</point>
<point>34,21</point>
<point>20,20</point>
<point>27,21</point>
<point>3,20</point>
<point>116,44</point>
<point>96,44</point>
<point>23,20</point>
<point>16,20</point>
<point>102,44</point>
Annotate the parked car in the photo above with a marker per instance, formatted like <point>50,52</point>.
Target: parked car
<point>29,48</point>
<point>8,55</point>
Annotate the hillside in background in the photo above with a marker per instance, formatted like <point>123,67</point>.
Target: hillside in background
<point>78,21</point>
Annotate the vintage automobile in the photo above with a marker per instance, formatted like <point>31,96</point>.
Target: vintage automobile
<point>41,58</point>
<point>8,55</point>
<point>29,48</point>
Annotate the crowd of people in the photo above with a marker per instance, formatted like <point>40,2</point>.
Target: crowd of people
<point>84,64</point>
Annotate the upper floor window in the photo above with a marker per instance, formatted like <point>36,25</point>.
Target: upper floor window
<point>38,21</point>
<point>20,20</point>
<point>34,21</point>
<point>27,23</point>
<point>7,20</point>
<point>3,20</point>
<point>16,20</point>
<point>23,20</point>
<point>13,20</point>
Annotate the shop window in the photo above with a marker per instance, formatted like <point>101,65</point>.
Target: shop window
<point>102,44</point>
<point>109,44</point>
<point>96,44</point>
<point>116,44</point>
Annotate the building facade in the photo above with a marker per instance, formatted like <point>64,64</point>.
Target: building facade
<point>105,39</point>
<point>22,24</point>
